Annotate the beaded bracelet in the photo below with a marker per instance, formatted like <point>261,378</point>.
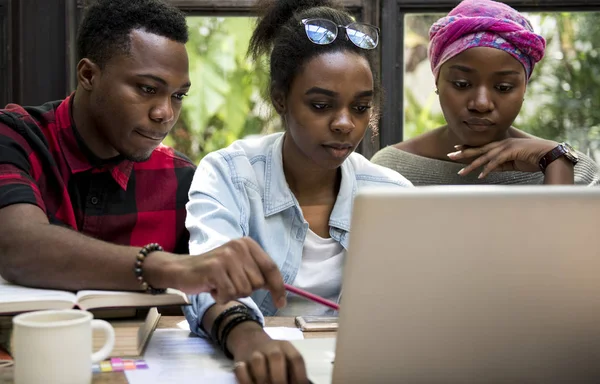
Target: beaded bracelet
<point>139,270</point>
<point>229,327</point>
<point>236,309</point>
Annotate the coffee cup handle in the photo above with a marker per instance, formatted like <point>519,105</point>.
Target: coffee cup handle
<point>109,334</point>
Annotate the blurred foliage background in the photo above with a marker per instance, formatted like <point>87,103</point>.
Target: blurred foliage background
<point>227,100</point>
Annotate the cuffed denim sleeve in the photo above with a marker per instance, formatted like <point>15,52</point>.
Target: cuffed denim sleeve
<point>202,302</point>
<point>215,214</point>
<point>216,207</point>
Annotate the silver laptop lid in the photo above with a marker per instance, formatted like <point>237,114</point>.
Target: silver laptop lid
<point>472,285</point>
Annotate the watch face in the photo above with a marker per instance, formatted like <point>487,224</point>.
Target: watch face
<point>570,153</point>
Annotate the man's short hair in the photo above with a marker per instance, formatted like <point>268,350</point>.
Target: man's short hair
<point>105,30</point>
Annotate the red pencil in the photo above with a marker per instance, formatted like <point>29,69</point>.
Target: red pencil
<point>310,296</point>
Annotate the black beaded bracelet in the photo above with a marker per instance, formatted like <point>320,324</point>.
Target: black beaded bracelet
<point>139,270</point>
<point>236,309</point>
<point>230,326</point>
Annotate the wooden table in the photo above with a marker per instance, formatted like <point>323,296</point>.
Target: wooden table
<point>166,322</point>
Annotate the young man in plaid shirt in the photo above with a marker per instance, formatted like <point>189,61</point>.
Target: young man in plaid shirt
<point>87,189</point>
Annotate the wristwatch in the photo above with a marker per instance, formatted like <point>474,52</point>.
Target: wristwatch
<point>562,149</point>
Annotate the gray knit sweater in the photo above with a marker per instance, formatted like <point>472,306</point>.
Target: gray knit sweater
<point>425,171</point>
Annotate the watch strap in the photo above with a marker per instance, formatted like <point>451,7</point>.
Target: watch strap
<point>562,149</point>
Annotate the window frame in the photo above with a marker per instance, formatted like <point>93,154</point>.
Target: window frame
<point>6,57</point>
<point>243,7</point>
<point>392,48</point>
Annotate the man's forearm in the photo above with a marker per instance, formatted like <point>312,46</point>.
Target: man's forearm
<point>35,253</point>
<point>49,256</point>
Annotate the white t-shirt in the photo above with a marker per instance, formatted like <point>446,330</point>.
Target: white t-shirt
<point>320,273</point>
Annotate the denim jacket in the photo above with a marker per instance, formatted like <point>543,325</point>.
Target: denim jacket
<point>241,191</point>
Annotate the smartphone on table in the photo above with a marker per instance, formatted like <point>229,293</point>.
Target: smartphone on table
<point>317,323</point>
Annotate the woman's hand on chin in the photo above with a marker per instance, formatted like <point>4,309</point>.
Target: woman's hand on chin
<point>506,155</point>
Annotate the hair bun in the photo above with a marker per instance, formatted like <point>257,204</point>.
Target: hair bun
<point>274,14</point>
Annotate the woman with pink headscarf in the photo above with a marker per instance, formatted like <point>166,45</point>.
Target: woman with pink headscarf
<point>482,55</point>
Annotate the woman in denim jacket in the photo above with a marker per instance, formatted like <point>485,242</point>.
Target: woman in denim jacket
<point>291,192</point>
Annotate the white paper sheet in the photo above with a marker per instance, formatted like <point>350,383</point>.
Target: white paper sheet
<point>277,333</point>
<point>284,333</point>
<point>319,355</point>
<point>176,356</point>
<point>15,293</point>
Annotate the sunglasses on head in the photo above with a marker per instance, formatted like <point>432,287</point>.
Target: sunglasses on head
<point>323,31</point>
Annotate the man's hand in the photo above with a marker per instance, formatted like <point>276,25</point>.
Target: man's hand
<point>507,155</point>
<point>228,272</point>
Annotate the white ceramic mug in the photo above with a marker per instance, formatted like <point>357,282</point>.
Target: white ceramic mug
<point>55,347</point>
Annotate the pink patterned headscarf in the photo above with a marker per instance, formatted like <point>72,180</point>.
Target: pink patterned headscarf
<point>484,23</point>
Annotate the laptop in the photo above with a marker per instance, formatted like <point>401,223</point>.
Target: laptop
<point>471,285</point>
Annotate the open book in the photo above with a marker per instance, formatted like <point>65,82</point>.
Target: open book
<point>16,299</point>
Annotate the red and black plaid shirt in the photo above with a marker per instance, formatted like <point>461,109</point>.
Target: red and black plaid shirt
<point>43,161</point>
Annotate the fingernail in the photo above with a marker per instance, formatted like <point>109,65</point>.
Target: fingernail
<point>452,154</point>
<point>458,146</point>
<point>282,302</point>
<point>480,176</point>
<point>461,171</point>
